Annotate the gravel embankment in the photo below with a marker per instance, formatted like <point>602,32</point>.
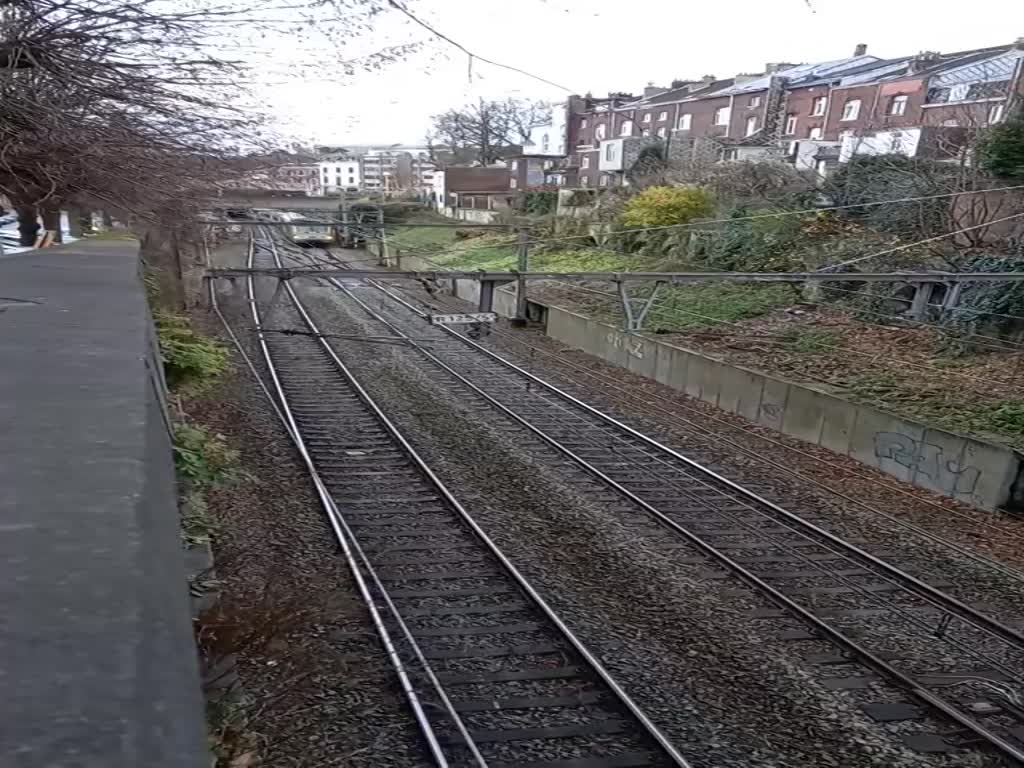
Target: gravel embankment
<point>724,686</point>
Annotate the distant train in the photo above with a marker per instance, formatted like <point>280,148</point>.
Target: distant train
<point>305,234</point>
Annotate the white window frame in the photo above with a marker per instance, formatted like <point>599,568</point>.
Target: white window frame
<point>663,115</point>
<point>609,151</point>
<point>602,180</point>
<point>791,123</point>
<point>600,131</point>
<point>751,127</point>
<point>583,123</point>
<point>545,143</point>
<point>722,116</point>
<point>584,181</point>
<point>685,121</point>
<point>819,106</point>
<point>515,165</point>
<point>645,131</point>
<point>626,129</point>
<point>585,161</point>
<point>815,133</point>
<point>513,183</point>
<point>898,105</point>
<point>755,101</point>
<point>646,118</point>
<point>662,132</point>
<point>995,113</point>
<point>851,111</point>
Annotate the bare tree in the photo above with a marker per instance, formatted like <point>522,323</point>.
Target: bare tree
<point>486,129</point>
<point>139,107</point>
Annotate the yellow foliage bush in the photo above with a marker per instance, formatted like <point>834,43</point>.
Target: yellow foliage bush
<point>665,206</point>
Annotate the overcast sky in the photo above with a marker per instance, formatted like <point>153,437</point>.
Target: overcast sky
<point>597,46</point>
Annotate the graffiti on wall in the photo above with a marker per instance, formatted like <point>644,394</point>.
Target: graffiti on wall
<point>633,346</point>
<point>927,459</point>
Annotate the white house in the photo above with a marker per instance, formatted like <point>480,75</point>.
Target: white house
<point>339,174</point>
<point>550,138</point>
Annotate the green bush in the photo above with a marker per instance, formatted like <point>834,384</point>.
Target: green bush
<point>667,206</point>
<point>191,361</point>
<point>203,459</point>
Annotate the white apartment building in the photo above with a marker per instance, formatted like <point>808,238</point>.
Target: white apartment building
<point>397,168</point>
<point>340,174</point>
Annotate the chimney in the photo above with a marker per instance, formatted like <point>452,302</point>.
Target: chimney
<point>777,66</point>
<point>861,49</point>
<point>653,90</point>
<point>923,60</point>
<point>708,79</point>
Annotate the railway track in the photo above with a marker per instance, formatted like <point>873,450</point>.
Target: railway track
<point>959,664</point>
<point>493,675</point>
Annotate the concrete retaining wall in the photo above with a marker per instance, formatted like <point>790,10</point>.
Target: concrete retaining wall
<point>969,470</point>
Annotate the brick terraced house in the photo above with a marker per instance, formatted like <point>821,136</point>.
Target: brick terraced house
<point>815,115</point>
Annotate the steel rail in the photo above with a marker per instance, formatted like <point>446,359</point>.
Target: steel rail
<point>868,657</point>
<point>354,542</point>
<point>652,730</point>
<point>922,588</point>
<point>982,560</point>
<point>341,532</point>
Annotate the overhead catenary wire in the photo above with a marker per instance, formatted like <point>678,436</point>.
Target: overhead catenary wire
<point>752,217</point>
<point>472,55</point>
<point>916,243</point>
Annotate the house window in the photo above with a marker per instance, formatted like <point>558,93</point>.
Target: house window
<point>599,131</point>
<point>545,142</point>
<point>755,101</point>
<point>790,124</point>
<point>645,132</point>
<point>722,116</point>
<point>751,126</point>
<point>995,113</point>
<point>647,117</point>
<point>584,181</point>
<point>851,110</point>
<point>351,180</point>
<point>663,115</point>
<point>609,151</point>
<point>684,122</point>
<point>821,167</point>
<point>513,183</point>
<point>662,132</point>
<point>603,181</point>
<point>819,105</point>
<point>585,161</point>
<point>814,133</point>
<point>515,165</point>
<point>896,143</point>
<point>337,169</point>
<point>627,128</point>
<point>898,105</point>
<point>548,164</point>
<point>583,123</point>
